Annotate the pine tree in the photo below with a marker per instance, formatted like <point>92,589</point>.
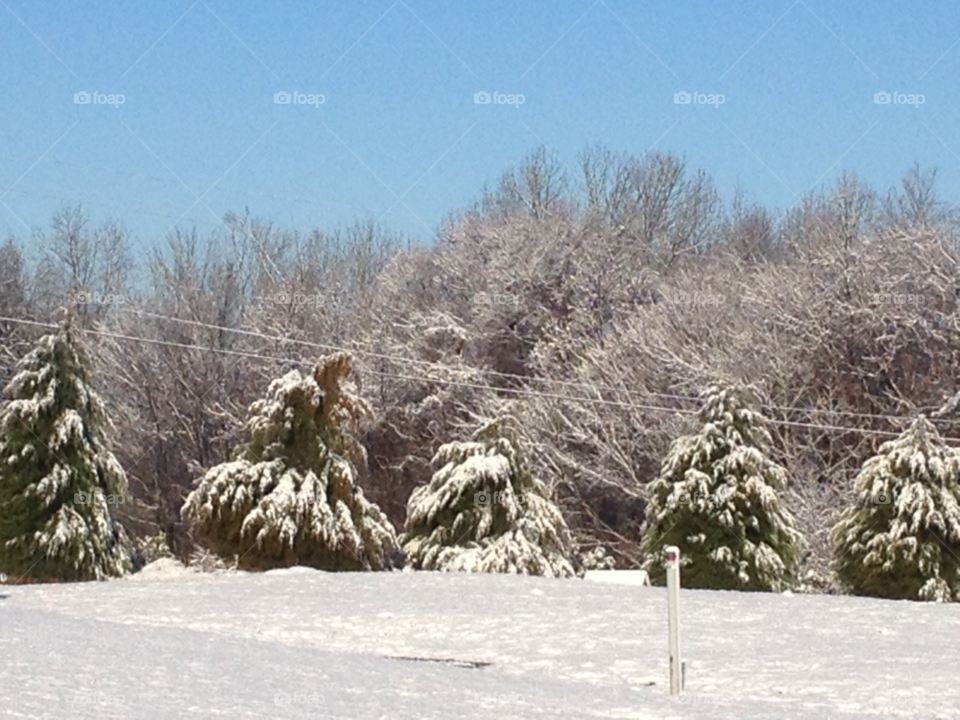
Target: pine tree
<point>716,500</point>
<point>901,539</point>
<point>57,475</point>
<point>290,496</point>
<point>484,512</point>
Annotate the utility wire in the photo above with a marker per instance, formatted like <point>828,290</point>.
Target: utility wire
<point>510,376</point>
<point>458,383</point>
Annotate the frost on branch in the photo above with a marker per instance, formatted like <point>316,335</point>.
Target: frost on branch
<point>484,512</point>
<point>901,538</point>
<point>57,474</point>
<point>716,500</point>
<point>290,496</point>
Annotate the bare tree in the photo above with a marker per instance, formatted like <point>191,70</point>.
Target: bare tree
<point>88,269</point>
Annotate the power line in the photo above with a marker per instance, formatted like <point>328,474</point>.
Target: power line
<point>394,358</point>
<point>542,380</point>
<point>510,376</point>
<point>151,341</point>
<point>526,393</point>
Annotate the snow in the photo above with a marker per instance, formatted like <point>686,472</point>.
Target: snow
<point>618,577</point>
<point>48,401</point>
<point>280,498</point>
<point>299,643</point>
<point>161,569</point>
<point>715,499</point>
<point>901,537</point>
<point>482,511</point>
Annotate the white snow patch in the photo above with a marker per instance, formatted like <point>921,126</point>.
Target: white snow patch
<point>578,650</point>
<point>618,577</point>
<point>163,569</point>
<point>295,570</point>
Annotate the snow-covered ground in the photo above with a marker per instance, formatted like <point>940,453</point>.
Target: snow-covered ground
<point>304,644</point>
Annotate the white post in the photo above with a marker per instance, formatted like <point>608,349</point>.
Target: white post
<point>672,556</point>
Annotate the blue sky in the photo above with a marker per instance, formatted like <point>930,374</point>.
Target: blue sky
<point>399,119</point>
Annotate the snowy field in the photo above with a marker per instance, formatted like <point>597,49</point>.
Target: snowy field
<point>304,644</point>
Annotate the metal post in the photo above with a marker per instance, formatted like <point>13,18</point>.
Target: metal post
<point>672,556</point>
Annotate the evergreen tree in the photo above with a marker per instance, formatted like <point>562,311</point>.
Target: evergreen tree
<point>290,496</point>
<point>484,512</point>
<point>57,475</point>
<point>716,500</point>
<point>901,539</point>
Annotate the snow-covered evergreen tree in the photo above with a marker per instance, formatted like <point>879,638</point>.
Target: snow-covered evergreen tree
<point>484,512</point>
<point>716,500</point>
<point>57,474</point>
<point>901,539</point>
<point>596,559</point>
<point>290,496</point>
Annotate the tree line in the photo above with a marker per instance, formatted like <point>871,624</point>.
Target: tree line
<point>584,302</point>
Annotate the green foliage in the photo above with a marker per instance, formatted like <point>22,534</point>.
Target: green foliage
<point>901,538</point>
<point>150,549</point>
<point>57,475</point>
<point>484,512</point>
<point>290,496</point>
<point>597,559</point>
<point>716,500</point>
